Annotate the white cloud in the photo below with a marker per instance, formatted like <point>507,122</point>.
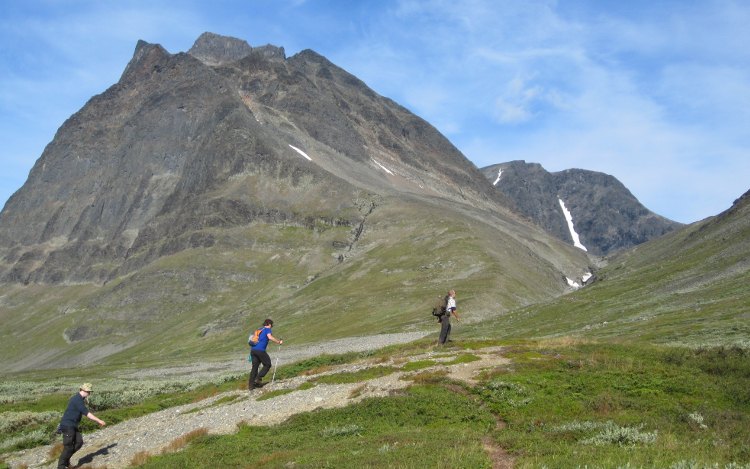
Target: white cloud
<point>622,95</point>
<point>516,103</point>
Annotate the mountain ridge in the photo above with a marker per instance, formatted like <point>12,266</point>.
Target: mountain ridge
<point>180,176</point>
<point>685,288</point>
<point>185,193</point>
<point>605,214</point>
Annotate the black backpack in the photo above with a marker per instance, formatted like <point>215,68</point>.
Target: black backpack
<point>439,309</point>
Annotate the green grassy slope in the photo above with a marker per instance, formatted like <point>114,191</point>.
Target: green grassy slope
<point>689,287</point>
<point>562,402</point>
<point>199,304</point>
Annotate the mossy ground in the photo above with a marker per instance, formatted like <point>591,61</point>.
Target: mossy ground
<point>560,403</point>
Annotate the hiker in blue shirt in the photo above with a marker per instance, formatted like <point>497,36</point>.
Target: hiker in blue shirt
<point>72,438</point>
<point>259,355</point>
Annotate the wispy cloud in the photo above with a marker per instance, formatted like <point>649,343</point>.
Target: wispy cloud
<point>640,93</point>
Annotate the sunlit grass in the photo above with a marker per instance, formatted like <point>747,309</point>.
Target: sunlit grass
<point>562,403</point>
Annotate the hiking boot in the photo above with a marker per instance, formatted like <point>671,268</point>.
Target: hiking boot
<point>258,384</point>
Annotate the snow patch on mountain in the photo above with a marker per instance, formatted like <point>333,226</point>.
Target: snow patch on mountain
<point>499,173</point>
<point>579,283</point>
<point>300,152</point>
<point>383,167</point>
<point>573,283</point>
<point>573,233</point>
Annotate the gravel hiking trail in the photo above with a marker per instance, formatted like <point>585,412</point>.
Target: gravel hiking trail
<point>115,446</point>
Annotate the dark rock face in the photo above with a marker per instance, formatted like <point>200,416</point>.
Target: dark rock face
<point>185,144</point>
<point>213,49</point>
<point>606,216</point>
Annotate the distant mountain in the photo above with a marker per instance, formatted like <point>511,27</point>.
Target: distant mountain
<point>591,210</point>
<point>205,191</point>
<point>688,287</point>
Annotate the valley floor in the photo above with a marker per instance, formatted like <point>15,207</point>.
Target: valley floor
<point>284,354</point>
<point>117,446</point>
<point>559,402</point>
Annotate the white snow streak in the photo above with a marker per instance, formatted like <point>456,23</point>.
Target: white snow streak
<point>300,152</point>
<point>499,173</point>
<point>573,283</point>
<point>573,234</point>
<point>384,168</point>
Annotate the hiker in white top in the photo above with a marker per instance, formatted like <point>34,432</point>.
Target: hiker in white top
<point>445,320</point>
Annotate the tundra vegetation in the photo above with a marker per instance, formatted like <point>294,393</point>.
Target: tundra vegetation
<point>561,402</point>
<point>648,367</point>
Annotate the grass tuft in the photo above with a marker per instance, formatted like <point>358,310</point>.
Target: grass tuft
<point>275,393</point>
<point>140,458</point>
<point>418,365</point>
<point>429,377</point>
<point>182,441</point>
<point>622,436</point>
<point>55,451</point>
<point>356,376</point>
<point>463,358</point>
<point>345,430</point>
<point>356,392</point>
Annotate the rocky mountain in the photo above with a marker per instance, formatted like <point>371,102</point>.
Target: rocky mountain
<point>591,210</point>
<point>688,287</point>
<point>206,190</point>
<point>127,179</point>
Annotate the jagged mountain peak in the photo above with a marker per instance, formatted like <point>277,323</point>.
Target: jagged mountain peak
<point>145,57</point>
<point>214,49</point>
<point>154,163</point>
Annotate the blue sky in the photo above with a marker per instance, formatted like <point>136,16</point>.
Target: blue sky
<point>655,93</point>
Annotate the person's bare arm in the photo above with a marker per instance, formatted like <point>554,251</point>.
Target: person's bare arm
<point>96,419</point>
<point>278,341</point>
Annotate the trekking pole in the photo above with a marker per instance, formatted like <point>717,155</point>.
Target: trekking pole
<point>273,378</point>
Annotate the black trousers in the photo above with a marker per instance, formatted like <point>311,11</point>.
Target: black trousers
<point>259,357</point>
<point>72,442</point>
<point>445,329</point>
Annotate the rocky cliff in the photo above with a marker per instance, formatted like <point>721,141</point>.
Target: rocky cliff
<point>604,215</point>
<point>147,167</point>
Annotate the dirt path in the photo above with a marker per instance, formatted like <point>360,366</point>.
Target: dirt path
<point>115,446</point>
